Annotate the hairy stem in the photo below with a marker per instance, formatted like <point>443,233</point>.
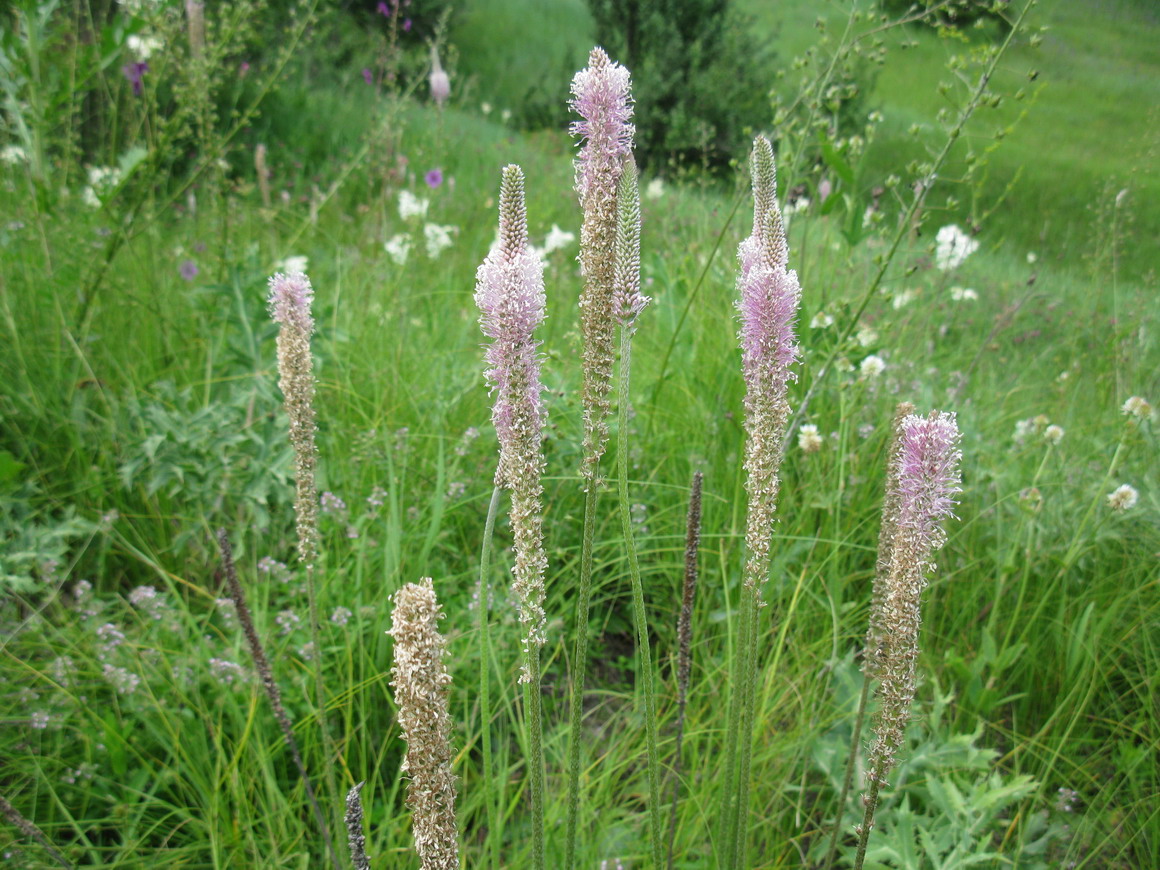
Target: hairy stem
<point>491,784</point>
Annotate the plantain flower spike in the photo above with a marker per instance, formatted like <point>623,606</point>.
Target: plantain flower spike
<point>420,679</point>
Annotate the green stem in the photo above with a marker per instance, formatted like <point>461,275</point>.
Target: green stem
<point>748,714</point>
<point>867,823</point>
<point>639,615</point>
<point>491,785</point>
<point>579,664</point>
<point>855,738</point>
<point>329,751</point>
<point>535,753</point>
<point>733,733</point>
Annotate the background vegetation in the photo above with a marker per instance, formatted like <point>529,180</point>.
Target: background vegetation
<point>140,412</point>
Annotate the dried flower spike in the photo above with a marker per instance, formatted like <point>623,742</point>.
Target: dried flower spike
<point>290,300</point>
<point>420,679</point>
<point>601,95</point>
<point>627,300</point>
<point>510,294</point>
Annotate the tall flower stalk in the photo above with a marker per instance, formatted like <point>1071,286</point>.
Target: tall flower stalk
<point>886,533</point>
<point>768,306</point>
<point>290,300</point>
<point>510,295</point>
<point>419,678</point>
<point>926,471</point>
<point>627,303</point>
<point>601,95</point>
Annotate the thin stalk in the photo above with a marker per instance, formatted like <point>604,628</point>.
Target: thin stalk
<point>490,783</point>
<point>855,740</point>
<point>533,719</point>
<point>29,829</point>
<point>330,753</point>
<point>748,715</point>
<point>733,731</point>
<point>639,615</point>
<point>685,642</point>
<point>579,664</point>
<point>867,824</point>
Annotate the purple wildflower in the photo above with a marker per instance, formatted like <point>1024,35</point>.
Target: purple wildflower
<point>243,68</point>
<point>383,9</point>
<point>406,25</point>
<point>602,96</point>
<point>134,73</point>
<point>368,76</point>
<point>188,270</point>
<point>434,178</point>
<point>928,475</point>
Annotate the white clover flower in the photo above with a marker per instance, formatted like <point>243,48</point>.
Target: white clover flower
<point>809,441</point>
<point>872,366</point>
<point>903,298</point>
<point>1023,429</point>
<point>1123,498</point>
<point>952,247</point>
<point>505,115</point>
<point>821,320</point>
<point>1032,257</point>
<point>557,239</point>
<point>438,238</point>
<point>655,189</point>
<point>13,154</point>
<point>144,46</point>
<point>1053,434</point>
<point>397,248</point>
<point>485,107</point>
<point>296,263</point>
<point>866,337</point>
<point>411,206</point>
<point>963,294</point>
<point>1137,407</point>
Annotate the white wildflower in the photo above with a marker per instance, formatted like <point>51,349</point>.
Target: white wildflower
<point>655,189</point>
<point>866,337</point>
<point>872,366</point>
<point>809,441</point>
<point>296,263</point>
<point>557,239</point>
<point>144,46</point>
<point>1032,257</point>
<point>903,298</point>
<point>1123,498</point>
<point>397,248</point>
<point>963,294</point>
<point>411,206</point>
<point>438,238</point>
<point>1137,407</point>
<point>952,247</point>
<point>1053,434</point>
<point>13,154</point>
<point>821,320</point>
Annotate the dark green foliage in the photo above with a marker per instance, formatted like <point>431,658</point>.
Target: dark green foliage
<point>700,76</point>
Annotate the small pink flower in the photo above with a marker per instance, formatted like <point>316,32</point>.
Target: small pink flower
<point>434,178</point>
<point>188,270</point>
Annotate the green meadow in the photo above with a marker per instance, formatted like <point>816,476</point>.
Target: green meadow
<point>140,412</point>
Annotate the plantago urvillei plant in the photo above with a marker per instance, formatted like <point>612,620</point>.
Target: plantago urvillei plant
<point>510,294</point>
<point>768,306</point>
<point>926,474</point>
<point>601,95</point>
<point>420,679</point>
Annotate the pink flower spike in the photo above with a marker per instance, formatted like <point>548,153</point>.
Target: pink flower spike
<point>290,299</point>
<point>928,475</point>
<point>602,96</point>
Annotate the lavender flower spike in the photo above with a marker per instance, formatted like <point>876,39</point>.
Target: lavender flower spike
<point>290,299</point>
<point>768,306</point>
<point>509,291</point>
<point>926,468</point>
<point>601,95</point>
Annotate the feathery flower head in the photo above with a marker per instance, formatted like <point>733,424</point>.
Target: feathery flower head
<point>290,299</point>
<point>419,678</point>
<point>1138,407</point>
<point>1123,497</point>
<point>928,474</point>
<point>602,96</point>
<point>627,300</point>
<point>768,305</point>
<point>509,291</point>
